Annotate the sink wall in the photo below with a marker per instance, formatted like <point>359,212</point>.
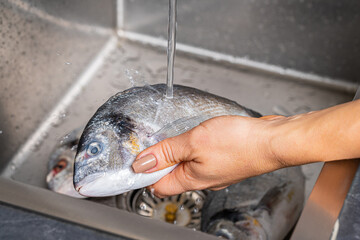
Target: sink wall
<point>319,37</point>
<point>59,61</point>
<point>44,47</point>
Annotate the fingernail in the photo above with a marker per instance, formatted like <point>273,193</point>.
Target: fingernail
<point>145,163</point>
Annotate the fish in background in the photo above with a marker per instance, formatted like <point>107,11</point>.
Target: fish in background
<point>262,207</point>
<point>133,120</point>
<point>61,169</point>
<point>61,165</point>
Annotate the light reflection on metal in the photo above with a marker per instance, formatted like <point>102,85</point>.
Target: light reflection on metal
<point>326,200</point>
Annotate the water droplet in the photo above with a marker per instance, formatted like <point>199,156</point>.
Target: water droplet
<point>134,77</point>
<point>63,140</point>
<point>182,208</point>
<point>226,190</point>
<point>194,229</point>
<point>175,222</point>
<point>67,63</point>
<point>1,131</point>
<point>196,210</point>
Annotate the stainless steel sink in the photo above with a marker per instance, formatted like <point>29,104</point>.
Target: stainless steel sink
<point>60,61</point>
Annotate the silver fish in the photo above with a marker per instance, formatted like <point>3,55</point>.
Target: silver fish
<point>60,166</point>
<point>262,207</point>
<point>133,120</point>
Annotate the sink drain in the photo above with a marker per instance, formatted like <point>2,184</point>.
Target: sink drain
<point>183,209</point>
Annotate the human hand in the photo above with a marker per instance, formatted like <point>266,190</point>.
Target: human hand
<point>225,150</point>
<point>219,152</point>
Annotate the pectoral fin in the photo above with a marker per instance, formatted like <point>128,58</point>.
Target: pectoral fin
<point>178,127</point>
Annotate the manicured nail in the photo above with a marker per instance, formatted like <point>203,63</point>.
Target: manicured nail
<point>143,164</point>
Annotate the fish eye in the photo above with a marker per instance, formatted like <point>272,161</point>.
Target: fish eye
<point>61,165</point>
<point>93,149</point>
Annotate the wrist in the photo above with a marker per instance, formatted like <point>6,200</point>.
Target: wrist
<point>266,154</point>
<point>278,142</point>
<point>297,139</point>
<point>274,139</point>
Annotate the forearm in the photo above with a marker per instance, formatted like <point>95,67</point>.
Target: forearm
<point>225,150</point>
<point>325,135</point>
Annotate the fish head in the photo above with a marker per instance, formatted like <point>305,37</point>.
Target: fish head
<point>59,179</point>
<point>106,151</point>
<point>60,166</point>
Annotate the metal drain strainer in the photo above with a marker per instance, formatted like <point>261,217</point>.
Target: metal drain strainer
<point>183,209</point>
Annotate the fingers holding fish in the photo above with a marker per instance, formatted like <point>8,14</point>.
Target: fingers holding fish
<point>211,156</point>
<point>178,181</point>
<point>164,154</point>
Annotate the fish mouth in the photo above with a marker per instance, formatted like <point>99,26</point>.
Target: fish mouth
<point>63,185</point>
<point>101,185</point>
<point>86,183</point>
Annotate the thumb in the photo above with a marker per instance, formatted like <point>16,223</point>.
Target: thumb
<point>164,154</point>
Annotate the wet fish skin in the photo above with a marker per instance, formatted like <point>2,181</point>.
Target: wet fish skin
<point>133,120</point>
<point>243,211</point>
<point>60,165</point>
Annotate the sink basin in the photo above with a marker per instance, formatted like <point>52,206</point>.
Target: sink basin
<point>63,60</point>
